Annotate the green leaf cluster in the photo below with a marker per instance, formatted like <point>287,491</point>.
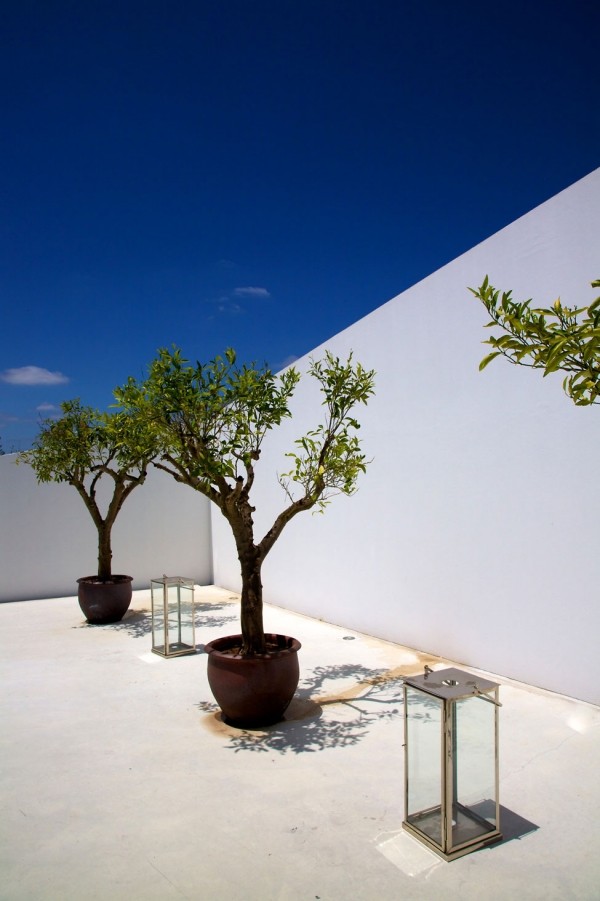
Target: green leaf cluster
<point>208,420</point>
<point>328,460</point>
<point>556,338</point>
<point>80,448</point>
<point>84,442</point>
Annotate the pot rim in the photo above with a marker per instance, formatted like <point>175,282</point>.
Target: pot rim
<point>228,641</point>
<point>96,580</point>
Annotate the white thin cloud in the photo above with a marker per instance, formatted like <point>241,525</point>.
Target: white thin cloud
<point>251,292</point>
<point>47,408</point>
<point>228,306</point>
<point>32,375</point>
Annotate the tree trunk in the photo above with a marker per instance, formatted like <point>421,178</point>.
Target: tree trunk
<point>252,606</point>
<point>104,552</point>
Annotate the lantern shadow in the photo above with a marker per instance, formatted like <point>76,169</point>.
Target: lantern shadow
<point>513,826</point>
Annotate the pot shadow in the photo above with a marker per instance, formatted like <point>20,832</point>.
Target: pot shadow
<point>136,623</point>
<point>315,722</point>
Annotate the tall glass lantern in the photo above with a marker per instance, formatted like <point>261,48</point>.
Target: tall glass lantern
<point>173,616</point>
<point>451,761</point>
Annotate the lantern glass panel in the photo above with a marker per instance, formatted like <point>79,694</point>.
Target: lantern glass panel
<point>424,759</point>
<point>474,801</point>
<point>158,624</point>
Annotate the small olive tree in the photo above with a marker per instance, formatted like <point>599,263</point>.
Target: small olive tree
<point>554,338</point>
<point>210,421</point>
<point>82,447</point>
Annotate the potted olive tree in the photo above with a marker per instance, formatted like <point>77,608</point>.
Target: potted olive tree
<point>209,422</point>
<point>82,448</point>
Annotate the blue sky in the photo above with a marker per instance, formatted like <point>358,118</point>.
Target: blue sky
<point>260,174</point>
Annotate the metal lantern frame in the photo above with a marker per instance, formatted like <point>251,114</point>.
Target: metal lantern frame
<point>173,616</point>
<point>447,774</point>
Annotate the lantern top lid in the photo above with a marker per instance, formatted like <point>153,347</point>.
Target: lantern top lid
<point>173,580</point>
<point>451,684</point>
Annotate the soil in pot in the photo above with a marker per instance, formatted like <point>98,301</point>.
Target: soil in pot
<point>104,601</point>
<point>253,691</point>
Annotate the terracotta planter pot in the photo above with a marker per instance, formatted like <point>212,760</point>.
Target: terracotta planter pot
<point>253,691</point>
<point>104,602</point>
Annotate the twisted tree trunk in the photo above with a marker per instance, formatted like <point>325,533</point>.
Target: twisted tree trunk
<point>104,550</point>
<point>251,614</point>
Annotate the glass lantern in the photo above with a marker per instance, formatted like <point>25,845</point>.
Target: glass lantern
<point>173,616</point>
<point>451,761</point>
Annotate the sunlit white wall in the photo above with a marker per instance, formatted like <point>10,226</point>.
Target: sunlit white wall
<point>475,532</point>
<point>48,539</point>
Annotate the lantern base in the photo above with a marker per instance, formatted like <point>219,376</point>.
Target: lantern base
<point>470,832</point>
<point>176,649</point>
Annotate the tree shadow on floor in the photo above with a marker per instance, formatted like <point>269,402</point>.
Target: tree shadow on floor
<point>209,616</point>
<point>314,721</point>
<point>138,623</point>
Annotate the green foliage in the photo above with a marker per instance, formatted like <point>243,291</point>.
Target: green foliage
<point>209,422</point>
<point>553,339</point>
<point>84,442</point>
<point>329,458</point>
<point>84,445</point>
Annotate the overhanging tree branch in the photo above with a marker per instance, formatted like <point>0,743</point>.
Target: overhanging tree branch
<point>556,338</point>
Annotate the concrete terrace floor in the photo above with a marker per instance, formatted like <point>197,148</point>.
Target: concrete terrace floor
<point>120,781</point>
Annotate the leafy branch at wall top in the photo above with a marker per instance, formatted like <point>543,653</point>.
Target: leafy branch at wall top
<point>556,338</point>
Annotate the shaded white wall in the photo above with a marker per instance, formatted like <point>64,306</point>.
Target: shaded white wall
<point>474,534</point>
<point>48,539</point>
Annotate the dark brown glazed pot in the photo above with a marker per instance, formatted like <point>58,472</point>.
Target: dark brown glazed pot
<point>104,601</point>
<point>253,691</point>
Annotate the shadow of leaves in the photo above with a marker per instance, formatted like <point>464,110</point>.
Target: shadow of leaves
<point>356,672</point>
<point>206,618</point>
<point>138,623</point>
<point>313,724</point>
<point>207,706</point>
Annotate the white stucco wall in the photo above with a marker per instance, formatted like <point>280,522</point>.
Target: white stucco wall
<point>474,534</point>
<point>48,539</point>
